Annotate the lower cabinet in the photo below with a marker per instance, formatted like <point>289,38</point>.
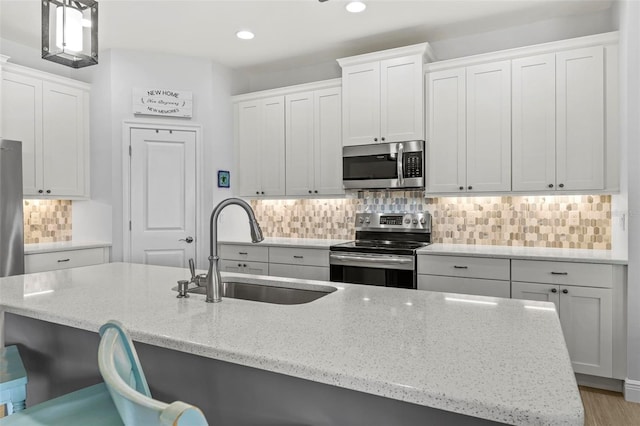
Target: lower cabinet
<point>299,271</point>
<point>586,316</point>
<point>55,260</point>
<point>475,286</point>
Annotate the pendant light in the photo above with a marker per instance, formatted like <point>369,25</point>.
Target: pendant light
<point>70,32</point>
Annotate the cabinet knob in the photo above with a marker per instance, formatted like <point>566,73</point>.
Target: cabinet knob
<point>244,265</point>
<point>239,265</point>
<point>565,291</point>
<point>262,192</point>
<point>40,191</point>
<point>550,185</point>
<point>561,185</point>
<point>309,191</point>
<point>257,192</point>
<point>469,187</point>
<point>48,191</point>
<point>382,139</point>
<point>315,192</point>
<point>375,139</point>
<point>462,188</point>
<point>554,290</point>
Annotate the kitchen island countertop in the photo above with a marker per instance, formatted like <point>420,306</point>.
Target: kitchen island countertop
<point>497,359</point>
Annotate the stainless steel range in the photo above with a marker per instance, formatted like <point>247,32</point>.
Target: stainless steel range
<point>384,252</point>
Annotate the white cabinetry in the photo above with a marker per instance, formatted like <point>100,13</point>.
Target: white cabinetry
<point>246,259</point>
<point>540,118</point>
<point>383,96</point>
<point>55,260</point>
<point>469,127</point>
<point>583,295</point>
<point>50,115</point>
<point>313,142</point>
<point>558,121</point>
<point>260,147</point>
<point>468,275</point>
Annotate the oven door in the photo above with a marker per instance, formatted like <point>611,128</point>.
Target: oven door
<point>373,269</point>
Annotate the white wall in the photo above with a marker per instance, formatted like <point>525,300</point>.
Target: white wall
<point>630,138</point>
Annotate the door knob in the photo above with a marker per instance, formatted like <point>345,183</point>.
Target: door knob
<point>189,240</point>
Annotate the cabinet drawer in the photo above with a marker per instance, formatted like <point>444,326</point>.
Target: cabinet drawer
<point>252,253</point>
<point>463,285</point>
<point>39,262</point>
<point>244,267</point>
<point>583,274</point>
<point>461,266</point>
<point>299,256</point>
<point>298,271</point>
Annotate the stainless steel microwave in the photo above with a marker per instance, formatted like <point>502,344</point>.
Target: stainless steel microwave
<point>384,165</point>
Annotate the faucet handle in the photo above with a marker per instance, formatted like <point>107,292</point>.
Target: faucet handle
<point>192,268</point>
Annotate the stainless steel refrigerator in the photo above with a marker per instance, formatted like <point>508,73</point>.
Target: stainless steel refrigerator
<point>11,218</point>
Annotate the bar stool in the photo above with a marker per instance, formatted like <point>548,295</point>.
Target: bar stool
<point>13,380</point>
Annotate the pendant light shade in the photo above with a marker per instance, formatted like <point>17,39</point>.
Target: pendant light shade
<point>70,32</point>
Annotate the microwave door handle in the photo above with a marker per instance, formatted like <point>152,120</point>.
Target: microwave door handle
<point>400,161</point>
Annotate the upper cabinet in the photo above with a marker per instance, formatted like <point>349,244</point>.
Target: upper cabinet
<point>383,96</point>
<point>313,148</point>
<point>260,147</point>
<point>50,116</point>
<point>289,141</point>
<point>540,119</point>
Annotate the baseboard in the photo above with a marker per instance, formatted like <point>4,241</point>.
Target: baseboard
<point>632,390</point>
<point>605,383</point>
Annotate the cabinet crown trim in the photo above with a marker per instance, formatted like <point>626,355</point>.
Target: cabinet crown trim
<point>287,90</point>
<point>423,49</point>
<point>42,75</point>
<point>610,38</point>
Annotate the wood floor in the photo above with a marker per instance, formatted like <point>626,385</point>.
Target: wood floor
<point>605,408</point>
<point>601,408</point>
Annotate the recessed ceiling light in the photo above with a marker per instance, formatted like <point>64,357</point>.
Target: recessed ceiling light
<point>245,35</point>
<point>356,6</point>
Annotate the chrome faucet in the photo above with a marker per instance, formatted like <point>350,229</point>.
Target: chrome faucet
<point>213,282</point>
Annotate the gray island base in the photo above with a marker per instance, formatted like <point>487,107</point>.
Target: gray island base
<point>359,355</point>
<point>61,359</point>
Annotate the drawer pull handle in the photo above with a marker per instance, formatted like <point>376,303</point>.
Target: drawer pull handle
<point>559,273</point>
<point>243,253</point>
<point>460,267</point>
<point>63,260</point>
<point>298,257</point>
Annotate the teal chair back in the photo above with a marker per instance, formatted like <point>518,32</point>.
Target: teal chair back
<point>125,380</point>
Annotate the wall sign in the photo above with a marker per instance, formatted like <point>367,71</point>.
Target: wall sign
<point>167,103</point>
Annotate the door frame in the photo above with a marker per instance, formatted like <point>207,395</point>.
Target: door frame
<point>127,126</point>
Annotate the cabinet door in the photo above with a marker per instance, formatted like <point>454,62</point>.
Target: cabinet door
<point>255,268</point>
<point>272,160</point>
<point>361,104</point>
<point>446,128</point>
<point>328,141</point>
<point>489,127</point>
<point>580,111</point>
<point>401,99</point>
<point>299,143</point>
<point>249,133</point>
<point>22,121</point>
<point>586,316</point>
<point>533,121</point>
<point>535,291</point>
<point>64,144</point>
<point>230,266</point>
<point>478,287</point>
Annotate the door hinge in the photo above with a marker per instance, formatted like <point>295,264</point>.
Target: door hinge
<point>129,225</point>
<point>129,150</point>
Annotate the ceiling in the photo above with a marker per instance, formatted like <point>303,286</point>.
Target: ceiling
<point>288,33</point>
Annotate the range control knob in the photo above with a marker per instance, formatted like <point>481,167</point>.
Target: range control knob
<point>423,220</point>
<point>361,220</point>
<point>407,221</point>
<point>415,221</point>
<point>367,220</point>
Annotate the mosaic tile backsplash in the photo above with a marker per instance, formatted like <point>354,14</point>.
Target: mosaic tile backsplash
<point>47,221</point>
<point>575,221</point>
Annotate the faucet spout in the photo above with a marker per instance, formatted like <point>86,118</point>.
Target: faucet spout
<point>213,283</point>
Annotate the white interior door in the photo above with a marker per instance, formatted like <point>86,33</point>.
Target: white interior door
<point>163,197</point>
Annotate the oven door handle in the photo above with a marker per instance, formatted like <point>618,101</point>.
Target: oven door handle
<point>379,262</point>
<point>400,164</point>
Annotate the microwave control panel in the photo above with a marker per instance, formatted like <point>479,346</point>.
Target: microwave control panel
<point>412,164</point>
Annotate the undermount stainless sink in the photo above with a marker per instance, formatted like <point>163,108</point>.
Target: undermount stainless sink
<point>268,293</point>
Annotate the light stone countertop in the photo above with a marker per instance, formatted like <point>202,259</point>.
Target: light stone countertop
<point>291,242</point>
<point>62,246</point>
<point>528,253</point>
<point>501,359</point>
